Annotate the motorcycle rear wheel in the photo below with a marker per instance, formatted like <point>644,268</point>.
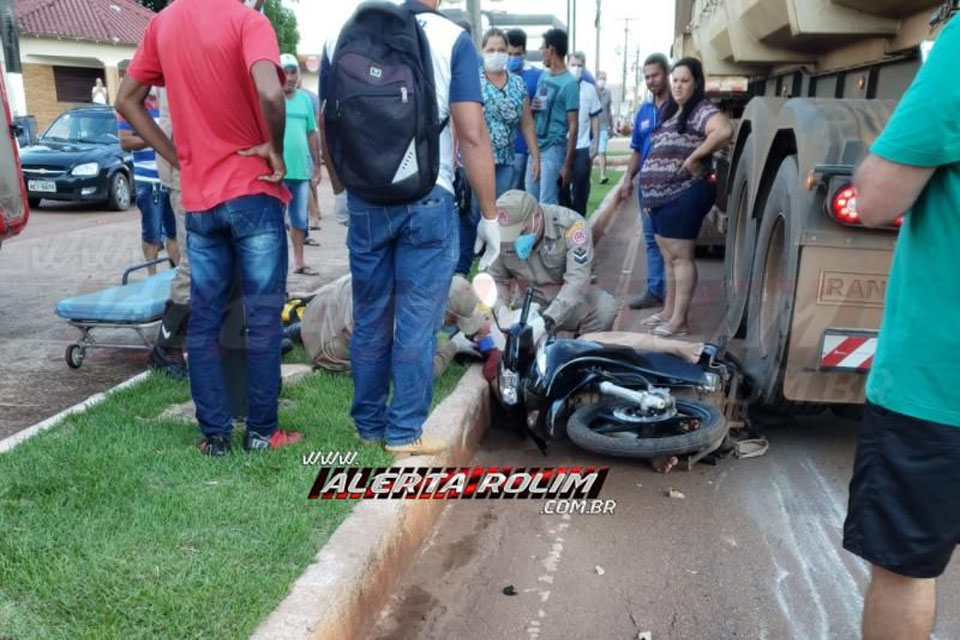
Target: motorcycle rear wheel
<point>629,443</point>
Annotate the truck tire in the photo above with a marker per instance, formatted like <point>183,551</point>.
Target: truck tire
<point>119,193</point>
<point>741,242</point>
<point>582,430</point>
<point>773,285</point>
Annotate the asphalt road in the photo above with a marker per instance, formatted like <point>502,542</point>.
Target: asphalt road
<point>68,250</point>
<point>752,551</point>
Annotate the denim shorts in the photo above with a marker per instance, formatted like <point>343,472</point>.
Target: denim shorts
<point>603,142</point>
<point>298,209</point>
<point>682,218</point>
<point>157,220</point>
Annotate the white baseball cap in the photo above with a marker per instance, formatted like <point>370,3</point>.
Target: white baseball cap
<point>288,60</point>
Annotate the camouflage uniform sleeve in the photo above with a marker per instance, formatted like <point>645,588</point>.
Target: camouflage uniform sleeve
<point>446,351</point>
<point>576,278</point>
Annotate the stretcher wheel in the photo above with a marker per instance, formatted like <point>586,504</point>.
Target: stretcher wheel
<point>74,356</point>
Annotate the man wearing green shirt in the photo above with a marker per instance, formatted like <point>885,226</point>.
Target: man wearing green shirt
<point>556,106</point>
<point>301,142</point>
<point>904,512</point>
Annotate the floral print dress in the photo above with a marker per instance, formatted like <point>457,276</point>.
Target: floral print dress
<point>503,110</point>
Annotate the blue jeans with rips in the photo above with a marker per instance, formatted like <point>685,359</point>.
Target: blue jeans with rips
<point>401,259</point>
<point>551,162</point>
<point>246,232</point>
<point>468,223</point>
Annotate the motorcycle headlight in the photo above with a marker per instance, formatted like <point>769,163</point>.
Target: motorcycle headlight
<point>542,358</point>
<point>86,169</point>
<point>508,387</point>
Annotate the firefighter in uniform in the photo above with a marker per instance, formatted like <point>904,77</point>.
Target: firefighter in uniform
<point>550,248</point>
<point>327,325</point>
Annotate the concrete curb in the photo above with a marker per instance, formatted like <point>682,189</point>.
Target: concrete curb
<point>9,443</point>
<point>606,212</point>
<point>353,575</point>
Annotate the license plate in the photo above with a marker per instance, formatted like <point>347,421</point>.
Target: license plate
<point>42,186</point>
<point>848,350</point>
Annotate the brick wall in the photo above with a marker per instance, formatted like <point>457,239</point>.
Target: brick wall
<point>41,94</point>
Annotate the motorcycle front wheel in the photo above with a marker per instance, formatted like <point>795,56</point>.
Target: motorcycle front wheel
<point>609,428</point>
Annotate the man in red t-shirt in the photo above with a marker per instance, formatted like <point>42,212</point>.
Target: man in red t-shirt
<point>220,63</point>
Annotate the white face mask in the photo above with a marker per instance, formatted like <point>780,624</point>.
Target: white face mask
<point>577,72</point>
<point>496,61</point>
<point>601,83</point>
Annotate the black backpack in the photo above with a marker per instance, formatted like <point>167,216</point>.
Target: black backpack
<point>382,122</point>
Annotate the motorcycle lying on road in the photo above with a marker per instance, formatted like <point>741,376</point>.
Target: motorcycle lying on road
<point>608,398</point>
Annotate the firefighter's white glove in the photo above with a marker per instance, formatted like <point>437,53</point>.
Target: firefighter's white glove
<point>488,233</point>
<point>465,345</point>
<point>340,211</point>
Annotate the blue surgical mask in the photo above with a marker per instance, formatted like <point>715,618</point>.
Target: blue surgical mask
<point>515,64</point>
<point>524,245</point>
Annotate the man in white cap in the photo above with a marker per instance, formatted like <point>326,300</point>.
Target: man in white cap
<point>327,326</point>
<point>549,248</point>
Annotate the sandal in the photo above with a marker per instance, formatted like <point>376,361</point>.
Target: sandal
<point>310,242</point>
<point>306,271</point>
<point>666,332</point>
<point>653,321</point>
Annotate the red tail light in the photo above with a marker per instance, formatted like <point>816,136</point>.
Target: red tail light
<point>843,207</point>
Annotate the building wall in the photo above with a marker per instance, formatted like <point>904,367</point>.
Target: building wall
<point>42,94</point>
<point>40,55</point>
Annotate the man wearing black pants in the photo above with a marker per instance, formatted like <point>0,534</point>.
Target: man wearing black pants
<point>588,138</point>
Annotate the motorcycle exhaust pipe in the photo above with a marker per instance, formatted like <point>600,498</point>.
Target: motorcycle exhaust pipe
<point>645,400</point>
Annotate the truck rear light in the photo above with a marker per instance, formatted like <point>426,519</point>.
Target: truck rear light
<point>843,205</point>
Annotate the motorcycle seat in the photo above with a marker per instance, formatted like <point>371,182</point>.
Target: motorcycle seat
<point>688,351</point>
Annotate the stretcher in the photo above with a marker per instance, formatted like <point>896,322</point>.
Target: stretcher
<point>136,306</point>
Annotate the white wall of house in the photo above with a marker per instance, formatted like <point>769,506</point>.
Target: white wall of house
<point>72,53</point>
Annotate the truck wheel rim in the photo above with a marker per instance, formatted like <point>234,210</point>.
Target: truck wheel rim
<point>772,286</point>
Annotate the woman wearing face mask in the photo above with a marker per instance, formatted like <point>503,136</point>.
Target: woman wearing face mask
<point>676,188</point>
<point>505,106</point>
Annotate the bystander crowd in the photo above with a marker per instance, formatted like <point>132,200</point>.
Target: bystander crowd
<point>517,50</point>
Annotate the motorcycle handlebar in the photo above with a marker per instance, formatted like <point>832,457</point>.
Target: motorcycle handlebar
<point>527,300</point>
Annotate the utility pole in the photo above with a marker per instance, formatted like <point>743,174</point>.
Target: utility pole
<point>573,28</point>
<point>626,57</point>
<point>596,55</point>
<point>639,73</point>
<point>475,18</point>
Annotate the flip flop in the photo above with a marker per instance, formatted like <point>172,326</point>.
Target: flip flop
<point>310,242</point>
<point>653,321</point>
<point>306,271</point>
<point>666,332</point>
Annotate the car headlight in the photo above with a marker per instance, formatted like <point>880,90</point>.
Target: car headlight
<point>86,169</point>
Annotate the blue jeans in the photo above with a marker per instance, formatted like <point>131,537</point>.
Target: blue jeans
<point>156,214</point>
<point>519,171</point>
<point>551,162</point>
<point>248,233</point>
<point>401,260</point>
<point>655,270</point>
<point>468,223</point>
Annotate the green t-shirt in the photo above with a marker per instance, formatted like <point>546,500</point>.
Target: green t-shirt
<point>296,148</point>
<point>915,370</point>
<point>558,95</point>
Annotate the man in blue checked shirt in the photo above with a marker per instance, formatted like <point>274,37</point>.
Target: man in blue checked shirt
<point>158,225</point>
<point>656,73</point>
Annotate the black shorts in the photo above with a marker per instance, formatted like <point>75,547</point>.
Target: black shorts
<point>682,218</point>
<point>904,513</point>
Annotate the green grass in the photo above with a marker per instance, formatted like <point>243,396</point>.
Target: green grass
<point>113,525</point>
<point>599,191</point>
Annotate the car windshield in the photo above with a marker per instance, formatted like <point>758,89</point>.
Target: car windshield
<point>84,127</point>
